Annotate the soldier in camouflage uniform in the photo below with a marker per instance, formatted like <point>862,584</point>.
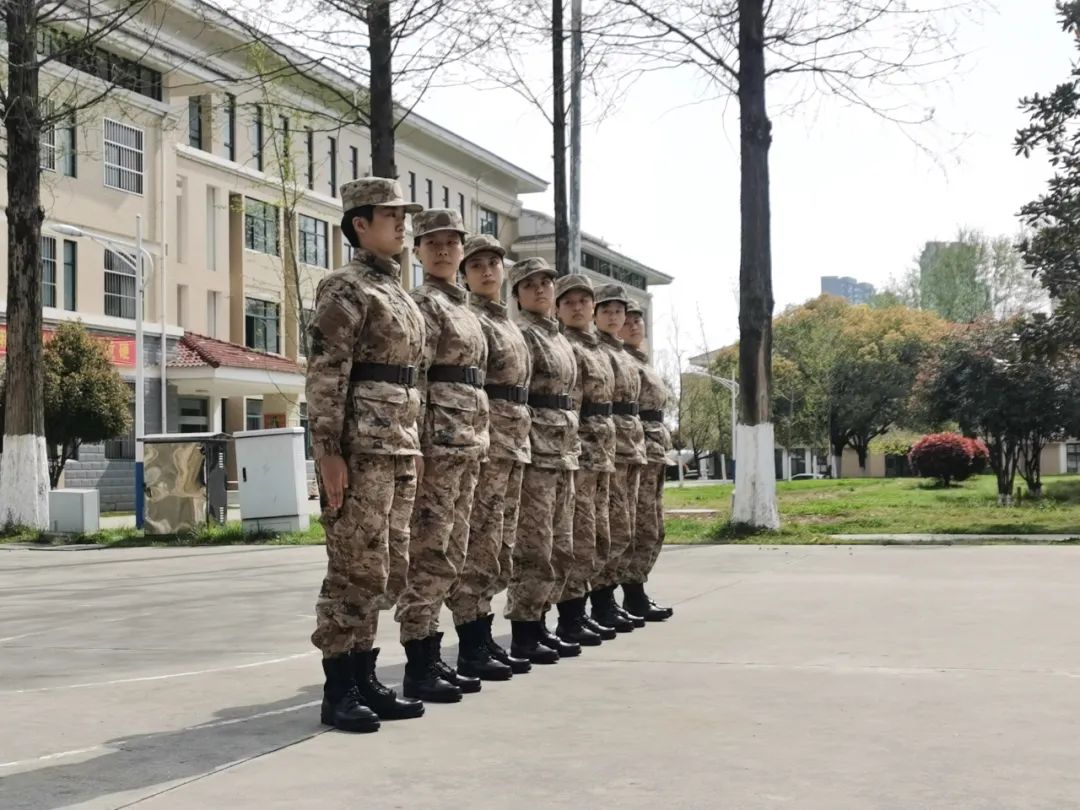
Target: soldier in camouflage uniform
<point>592,394</point>
<point>543,551</point>
<point>453,438</point>
<point>493,523</point>
<point>630,457</point>
<point>649,529</point>
<point>366,338</point>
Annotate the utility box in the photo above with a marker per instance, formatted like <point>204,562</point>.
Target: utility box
<point>75,511</point>
<point>271,473</point>
<point>184,480</point>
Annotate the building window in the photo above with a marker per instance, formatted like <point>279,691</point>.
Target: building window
<point>261,227</point>
<point>333,167</point>
<point>307,430</point>
<point>445,197</point>
<point>48,271</point>
<point>48,140</point>
<point>307,317</point>
<point>310,158</point>
<point>313,241</point>
<point>430,194</point>
<point>71,275</point>
<point>461,206</point>
<point>211,228</point>
<point>1072,457</point>
<point>261,319</point>
<point>489,222</point>
<point>412,186</point>
<point>228,134</point>
<point>212,299</point>
<point>258,136</point>
<point>354,159</point>
<point>253,416</point>
<point>122,448</point>
<point>99,62</point>
<point>67,148</point>
<point>123,156</point>
<point>194,414</point>
<point>195,115</point>
<point>119,285</point>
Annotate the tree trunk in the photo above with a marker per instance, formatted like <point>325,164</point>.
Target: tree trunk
<point>380,49</point>
<point>558,118</point>
<point>24,469</point>
<point>1031,464</point>
<point>755,484</point>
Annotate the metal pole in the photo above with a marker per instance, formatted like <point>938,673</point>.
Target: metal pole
<point>140,393</point>
<point>734,407</point>
<point>576,69</point>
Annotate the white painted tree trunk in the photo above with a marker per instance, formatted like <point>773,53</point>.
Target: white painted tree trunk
<point>836,465</point>
<point>755,477</point>
<point>24,482</point>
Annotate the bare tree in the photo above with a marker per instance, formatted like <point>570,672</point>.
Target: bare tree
<point>862,52</point>
<point>65,38</point>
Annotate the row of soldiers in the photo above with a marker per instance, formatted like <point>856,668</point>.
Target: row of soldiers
<point>460,454</point>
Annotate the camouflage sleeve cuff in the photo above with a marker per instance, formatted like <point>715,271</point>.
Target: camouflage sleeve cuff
<point>320,448</point>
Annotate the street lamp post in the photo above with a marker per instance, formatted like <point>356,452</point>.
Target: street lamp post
<point>140,392</point>
<point>732,386</point>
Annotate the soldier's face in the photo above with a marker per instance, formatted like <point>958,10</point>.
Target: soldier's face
<point>484,273</point>
<point>610,317</point>
<point>441,254</point>
<point>633,331</point>
<point>385,234</point>
<point>536,294</point>
<point>576,309</point>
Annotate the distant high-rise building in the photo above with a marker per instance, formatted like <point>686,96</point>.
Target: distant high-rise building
<point>857,292</point>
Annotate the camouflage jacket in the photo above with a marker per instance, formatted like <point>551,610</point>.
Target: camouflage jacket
<point>595,383</point>
<point>654,396</point>
<point>363,315</point>
<point>554,431</point>
<point>455,414</point>
<point>507,364</point>
<point>629,435</point>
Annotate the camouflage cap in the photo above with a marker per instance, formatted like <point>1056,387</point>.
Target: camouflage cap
<point>611,292</point>
<point>634,308</point>
<point>575,281</point>
<point>529,267</point>
<point>375,191</point>
<point>437,219</point>
<point>482,242</point>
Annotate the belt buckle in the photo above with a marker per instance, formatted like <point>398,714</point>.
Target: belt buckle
<point>635,409</point>
<point>471,375</point>
<point>565,402</point>
<point>522,395</point>
<point>407,375</point>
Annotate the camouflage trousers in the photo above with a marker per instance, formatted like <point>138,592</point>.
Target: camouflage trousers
<point>591,531</point>
<point>544,550</point>
<point>622,516</point>
<point>492,528</point>
<point>438,542</point>
<point>649,530</point>
<point>367,549</point>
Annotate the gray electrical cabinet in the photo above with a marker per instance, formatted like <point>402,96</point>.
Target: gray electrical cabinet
<point>184,481</point>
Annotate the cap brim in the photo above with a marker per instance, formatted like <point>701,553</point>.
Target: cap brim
<point>622,301</point>
<point>581,287</point>
<point>410,208</point>
<point>545,271</point>
<point>498,251</point>
<point>437,230</point>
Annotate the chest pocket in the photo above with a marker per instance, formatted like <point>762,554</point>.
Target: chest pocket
<point>383,414</point>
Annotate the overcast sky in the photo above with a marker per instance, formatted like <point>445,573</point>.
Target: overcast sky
<point>850,194</point>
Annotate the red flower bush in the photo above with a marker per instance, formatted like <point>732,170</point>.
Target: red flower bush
<point>948,457</point>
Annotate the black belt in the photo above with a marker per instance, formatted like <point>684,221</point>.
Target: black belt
<point>651,416</point>
<point>625,408</point>
<point>513,393</point>
<point>595,409</point>
<point>470,375</point>
<point>383,372</point>
<point>558,402</point>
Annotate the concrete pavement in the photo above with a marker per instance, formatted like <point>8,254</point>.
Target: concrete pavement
<point>795,677</point>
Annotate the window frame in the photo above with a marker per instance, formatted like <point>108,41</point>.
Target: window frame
<point>122,272</point>
<point>254,237</point>
<point>195,122</point>
<point>229,139</point>
<point>320,230</point>
<point>333,147</point>
<point>49,259</point>
<point>71,275</point>
<point>252,319</point>
<point>137,152</point>
<point>487,216</point>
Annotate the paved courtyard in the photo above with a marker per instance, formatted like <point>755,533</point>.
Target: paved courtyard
<point>793,677</point>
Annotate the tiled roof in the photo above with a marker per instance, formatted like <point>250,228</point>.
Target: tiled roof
<point>199,351</point>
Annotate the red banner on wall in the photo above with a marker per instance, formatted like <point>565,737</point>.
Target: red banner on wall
<point>121,350</point>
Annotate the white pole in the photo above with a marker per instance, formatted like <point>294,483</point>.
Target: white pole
<point>140,393</point>
<point>576,68</point>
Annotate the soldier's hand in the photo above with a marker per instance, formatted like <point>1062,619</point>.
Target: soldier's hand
<point>419,469</point>
<point>335,479</point>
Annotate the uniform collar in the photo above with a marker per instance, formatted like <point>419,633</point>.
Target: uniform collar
<point>640,355</point>
<point>455,291</point>
<point>496,308</point>
<point>589,338</point>
<point>388,267</point>
<point>610,340</point>
<point>550,324</point>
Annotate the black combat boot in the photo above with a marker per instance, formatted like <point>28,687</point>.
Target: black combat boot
<point>382,699</point>
<point>604,611</point>
<point>420,679</point>
<point>565,649</point>
<point>526,644</point>
<point>606,633</point>
<point>474,657</point>
<point>519,666</point>
<point>638,621</point>
<point>637,603</point>
<point>570,627</point>
<point>467,684</point>
<point>343,707</point>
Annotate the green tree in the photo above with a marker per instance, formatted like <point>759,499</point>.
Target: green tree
<point>85,398</point>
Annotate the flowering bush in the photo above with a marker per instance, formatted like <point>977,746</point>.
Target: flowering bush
<point>948,457</point>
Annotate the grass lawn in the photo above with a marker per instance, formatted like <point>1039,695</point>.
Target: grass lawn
<point>812,510</point>
<point>230,534</point>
